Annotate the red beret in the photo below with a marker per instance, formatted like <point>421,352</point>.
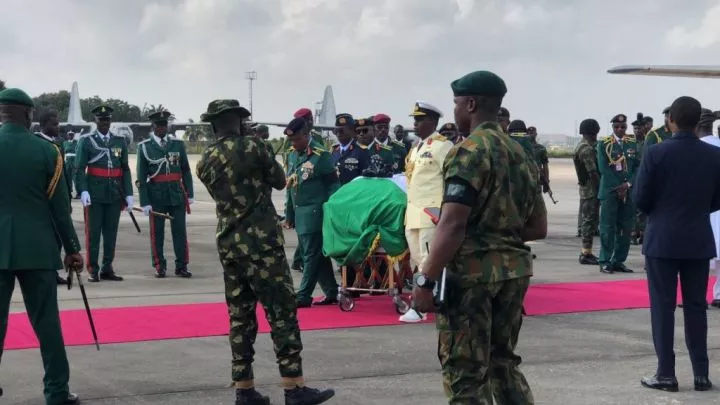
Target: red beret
<point>303,113</point>
<point>381,119</point>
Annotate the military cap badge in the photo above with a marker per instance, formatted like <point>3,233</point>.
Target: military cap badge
<point>289,132</point>
<point>342,120</point>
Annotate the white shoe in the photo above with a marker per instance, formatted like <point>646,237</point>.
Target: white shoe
<point>412,316</point>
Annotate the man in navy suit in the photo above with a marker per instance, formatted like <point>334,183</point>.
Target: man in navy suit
<point>678,186</point>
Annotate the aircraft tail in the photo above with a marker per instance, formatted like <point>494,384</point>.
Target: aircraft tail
<point>74,110</point>
<point>326,114</point>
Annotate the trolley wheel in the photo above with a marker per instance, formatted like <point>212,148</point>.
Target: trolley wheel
<point>401,307</point>
<point>346,303</point>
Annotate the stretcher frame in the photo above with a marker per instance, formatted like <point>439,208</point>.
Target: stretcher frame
<point>392,284</point>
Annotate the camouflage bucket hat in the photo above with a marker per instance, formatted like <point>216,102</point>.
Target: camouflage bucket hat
<point>217,107</point>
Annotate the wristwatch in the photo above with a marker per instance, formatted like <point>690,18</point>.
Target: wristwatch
<point>422,281</point>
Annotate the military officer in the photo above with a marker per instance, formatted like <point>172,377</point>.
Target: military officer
<point>69,148</point>
<point>349,157</point>
<point>449,131</point>
<point>240,174</point>
<point>365,134</point>
<point>425,184</point>
<point>618,159</point>
<point>401,136</point>
<point>648,124</point>
<point>312,180</point>
<point>165,186</point>
<point>585,160</point>
<point>103,180</point>
<point>490,208</point>
<point>30,252</point>
<point>381,126</point>
<point>307,115</point>
<point>659,134</point>
<point>639,131</point>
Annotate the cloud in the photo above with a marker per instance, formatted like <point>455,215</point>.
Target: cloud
<point>701,35</point>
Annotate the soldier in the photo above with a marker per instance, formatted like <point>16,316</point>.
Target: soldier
<point>504,118</point>
<point>105,190</point>
<point>165,186</point>
<point>312,180</point>
<point>401,136</point>
<point>618,160</point>
<point>518,133</point>
<point>540,155</point>
<point>348,157</point>
<point>660,134</point>
<point>381,124</point>
<point>69,148</point>
<point>585,160</point>
<point>639,130</point>
<point>240,174</point>
<point>648,124</point>
<point>449,131</point>
<point>490,208</point>
<point>424,187</point>
<point>365,136</point>
<point>30,250</point>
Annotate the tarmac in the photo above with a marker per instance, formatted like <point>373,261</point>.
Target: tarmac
<point>577,359</point>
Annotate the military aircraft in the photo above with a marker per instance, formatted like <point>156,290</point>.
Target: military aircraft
<point>699,71</point>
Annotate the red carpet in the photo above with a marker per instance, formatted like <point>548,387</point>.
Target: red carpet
<point>135,324</point>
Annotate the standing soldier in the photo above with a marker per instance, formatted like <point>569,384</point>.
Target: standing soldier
<point>424,188</point>
<point>660,134</point>
<point>504,118</point>
<point>165,186</point>
<point>518,133</point>
<point>449,131</point>
<point>312,180</point>
<point>105,190</point>
<point>382,129</point>
<point>366,137</point>
<point>34,211</point>
<point>401,136</point>
<point>240,174</point>
<point>69,147</point>
<point>540,155</point>
<point>639,131</point>
<point>349,158</point>
<point>585,160</point>
<point>618,159</point>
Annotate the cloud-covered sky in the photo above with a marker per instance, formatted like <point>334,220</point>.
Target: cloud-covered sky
<point>379,55</point>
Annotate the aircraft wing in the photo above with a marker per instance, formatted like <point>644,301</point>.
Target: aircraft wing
<point>708,71</point>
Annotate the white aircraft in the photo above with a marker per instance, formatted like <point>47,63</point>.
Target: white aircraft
<point>700,71</point>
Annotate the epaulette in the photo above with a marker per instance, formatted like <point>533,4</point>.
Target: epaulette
<point>144,141</point>
<point>607,139</point>
<point>318,151</point>
<point>438,137</point>
<point>398,143</point>
<point>384,147</point>
<point>361,146</point>
<point>630,138</point>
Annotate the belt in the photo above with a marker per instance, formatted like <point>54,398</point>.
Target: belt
<point>166,178</point>
<point>67,155</point>
<point>104,172</point>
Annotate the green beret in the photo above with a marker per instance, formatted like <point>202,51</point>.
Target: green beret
<point>16,97</point>
<point>480,83</point>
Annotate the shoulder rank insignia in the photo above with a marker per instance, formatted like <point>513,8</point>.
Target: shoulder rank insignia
<point>438,137</point>
<point>607,139</point>
<point>362,146</point>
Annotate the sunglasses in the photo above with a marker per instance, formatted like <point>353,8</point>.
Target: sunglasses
<point>362,131</point>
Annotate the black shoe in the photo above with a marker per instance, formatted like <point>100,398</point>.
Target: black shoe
<point>307,396</point>
<point>589,259</point>
<point>72,399</point>
<point>110,275</point>
<point>94,278</point>
<point>326,301</point>
<point>60,280</point>
<point>1,392</point>
<point>620,268</point>
<point>669,384</point>
<point>607,269</point>
<point>160,273</point>
<point>249,396</point>
<point>703,384</point>
<point>183,272</point>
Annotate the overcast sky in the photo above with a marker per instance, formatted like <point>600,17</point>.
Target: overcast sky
<point>379,55</point>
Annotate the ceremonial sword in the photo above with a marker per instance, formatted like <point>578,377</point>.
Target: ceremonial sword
<point>70,271</point>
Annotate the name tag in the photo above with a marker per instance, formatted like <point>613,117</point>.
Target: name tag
<point>618,167</point>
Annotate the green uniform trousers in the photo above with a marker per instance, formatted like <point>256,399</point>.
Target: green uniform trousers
<point>39,290</point>
<point>316,268</point>
<point>477,336</point>
<point>101,219</point>
<point>297,259</point>
<point>178,229</point>
<point>616,222</point>
<point>70,167</point>
<point>267,280</point>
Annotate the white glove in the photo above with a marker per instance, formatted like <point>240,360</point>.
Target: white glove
<point>147,209</point>
<point>85,198</point>
<point>129,201</point>
<point>190,201</point>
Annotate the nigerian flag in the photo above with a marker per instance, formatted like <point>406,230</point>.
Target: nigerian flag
<point>363,214</point>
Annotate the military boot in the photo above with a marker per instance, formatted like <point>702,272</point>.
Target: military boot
<point>307,396</point>
<point>183,272</point>
<point>588,258</point>
<point>248,396</point>
<point>160,273</point>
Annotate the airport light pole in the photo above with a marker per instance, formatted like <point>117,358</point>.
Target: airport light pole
<point>251,76</point>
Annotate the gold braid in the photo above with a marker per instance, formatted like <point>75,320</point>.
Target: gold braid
<point>59,165</point>
<point>608,152</point>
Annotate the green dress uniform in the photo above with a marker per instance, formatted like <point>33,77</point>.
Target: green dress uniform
<point>617,162</point>
<point>103,173</point>
<point>70,150</point>
<point>165,186</point>
<point>34,210</point>
<point>656,136</point>
<point>312,180</point>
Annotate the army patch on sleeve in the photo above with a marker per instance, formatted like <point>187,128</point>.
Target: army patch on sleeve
<point>455,190</point>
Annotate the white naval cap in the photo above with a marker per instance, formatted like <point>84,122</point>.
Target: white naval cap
<point>422,108</point>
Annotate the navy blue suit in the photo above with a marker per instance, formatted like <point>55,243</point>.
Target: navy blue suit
<point>678,186</point>
<point>350,163</point>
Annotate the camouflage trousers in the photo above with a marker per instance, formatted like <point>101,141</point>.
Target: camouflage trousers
<point>264,278</point>
<point>589,218</point>
<point>478,334</point>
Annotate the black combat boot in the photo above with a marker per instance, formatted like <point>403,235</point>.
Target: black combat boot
<point>588,258</point>
<point>307,396</point>
<point>183,272</point>
<point>248,396</point>
<point>160,273</point>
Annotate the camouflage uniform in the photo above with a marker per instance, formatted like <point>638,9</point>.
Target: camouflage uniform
<point>479,328</point>
<point>240,173</point>
<point>585,159</point>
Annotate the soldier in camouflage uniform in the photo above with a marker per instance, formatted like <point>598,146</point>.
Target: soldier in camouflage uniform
<point>240,174</point>
<point>585,159</point>
<point>639,130</point>
<point>490,208</point>
<point>540,154</point>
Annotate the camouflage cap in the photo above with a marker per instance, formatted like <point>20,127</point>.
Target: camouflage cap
<point>479,83</point>
<point>217,107</point>
<point>14,96</point>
